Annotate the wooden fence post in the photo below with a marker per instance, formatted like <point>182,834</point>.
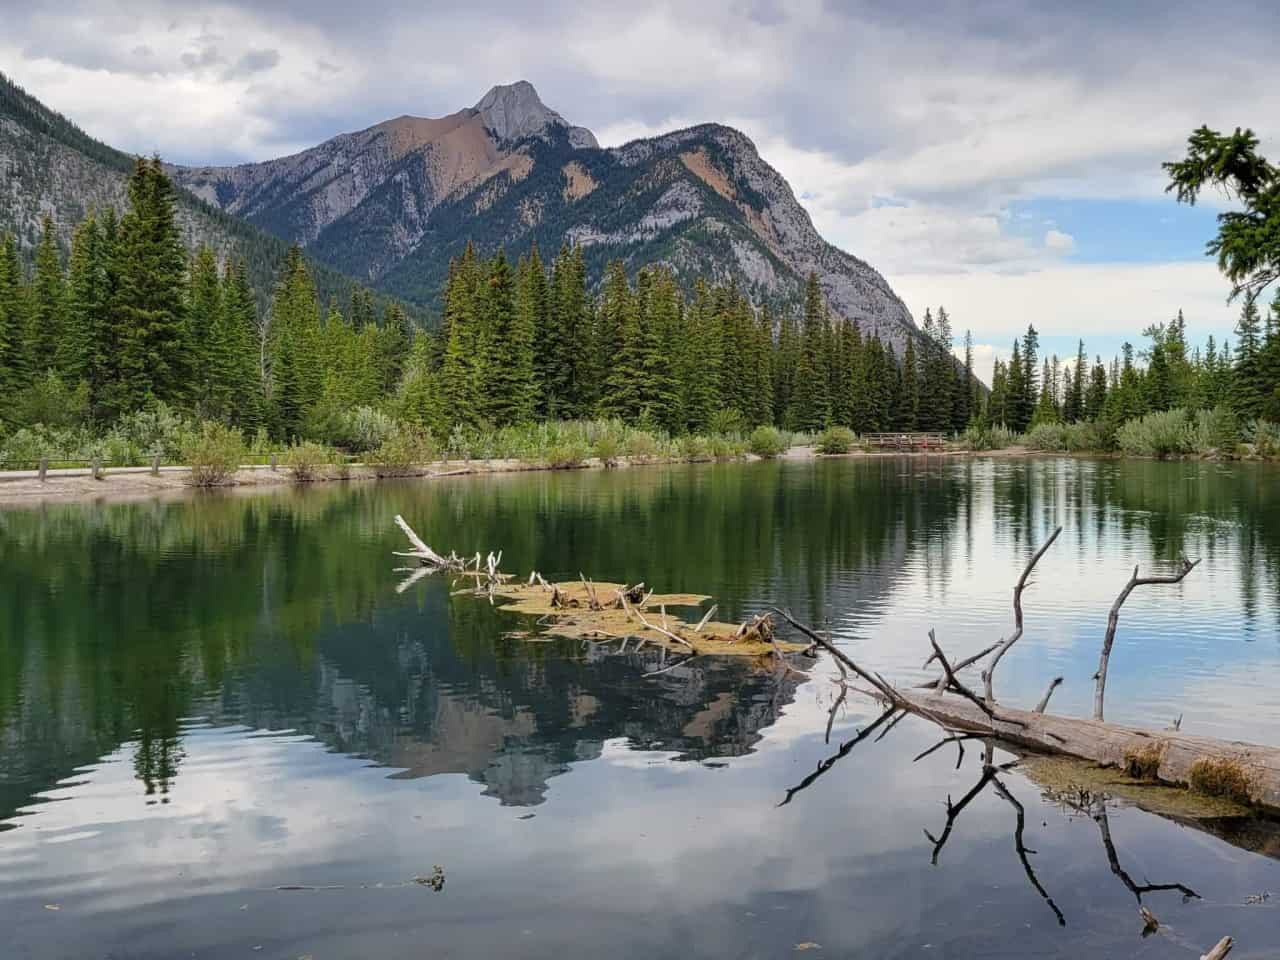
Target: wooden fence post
<point>43,468</point>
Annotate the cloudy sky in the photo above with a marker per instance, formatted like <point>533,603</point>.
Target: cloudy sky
<point>1000,158</point>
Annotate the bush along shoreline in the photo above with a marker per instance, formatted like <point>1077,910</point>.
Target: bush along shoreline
<point>377,445</point>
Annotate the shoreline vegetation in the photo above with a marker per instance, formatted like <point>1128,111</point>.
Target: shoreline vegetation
<point>127,351</point>
<point>213,457</point>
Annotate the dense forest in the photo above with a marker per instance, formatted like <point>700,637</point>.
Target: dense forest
<point>1167,374</point>
<point>131,321</point>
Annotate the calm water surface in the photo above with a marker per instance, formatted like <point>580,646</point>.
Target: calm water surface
<point>206,700</point>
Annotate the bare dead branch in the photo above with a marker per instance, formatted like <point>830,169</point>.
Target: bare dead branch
<point>706,618</point>
<point>1021,847</point>
<point>892,723</point>
<point>880,684</point>
<point>1044,701</point>
<point>957,738</point>
<point>1113,620</point>
<point>954,811</point>
<point>1219,950</point>
<point>954,683</point>
<point>988,675</point>
<point>840,754</point>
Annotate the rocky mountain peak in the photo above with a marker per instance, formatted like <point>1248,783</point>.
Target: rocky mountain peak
<point>514,111</point>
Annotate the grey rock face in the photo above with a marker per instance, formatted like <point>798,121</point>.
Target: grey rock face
<point>515,111</point>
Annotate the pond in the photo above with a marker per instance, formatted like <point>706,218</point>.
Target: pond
<point>224,733</point>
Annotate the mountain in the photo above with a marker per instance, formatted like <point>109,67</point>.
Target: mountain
<point>48,165</point>
<point>393,203</point>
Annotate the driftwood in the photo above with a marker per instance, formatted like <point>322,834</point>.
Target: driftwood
<point>988,675</point>
<point>1240,771</point>
<point>1113,620</point>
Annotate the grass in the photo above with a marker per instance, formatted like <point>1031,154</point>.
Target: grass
<point>1221,777</point>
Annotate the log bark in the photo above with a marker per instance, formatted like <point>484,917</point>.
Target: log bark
<point>1168,756</point>
<point>1220,949</point>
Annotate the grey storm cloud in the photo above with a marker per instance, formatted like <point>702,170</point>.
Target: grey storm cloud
<point>889,82</point>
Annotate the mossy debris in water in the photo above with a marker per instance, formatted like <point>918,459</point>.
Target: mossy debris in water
<point>569,610</point>
<point>1144,764</point>
<point>1221,777</point>
<point>1074,782</point>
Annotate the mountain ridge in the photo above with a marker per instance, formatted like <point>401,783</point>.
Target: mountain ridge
<point>49,165</point>
<point>392,203</point>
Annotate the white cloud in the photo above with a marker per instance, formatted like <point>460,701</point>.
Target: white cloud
<point>1098,300</point>
<point>1059,241</point>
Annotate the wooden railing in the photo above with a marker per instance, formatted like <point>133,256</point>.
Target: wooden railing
<point>903,440</point>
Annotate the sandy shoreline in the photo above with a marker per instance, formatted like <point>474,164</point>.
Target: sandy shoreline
<point>173,481</point>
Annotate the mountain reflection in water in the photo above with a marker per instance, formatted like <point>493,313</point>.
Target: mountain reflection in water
<point>202,700</point>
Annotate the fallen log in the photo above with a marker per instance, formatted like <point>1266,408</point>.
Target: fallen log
<point>1243,772</point>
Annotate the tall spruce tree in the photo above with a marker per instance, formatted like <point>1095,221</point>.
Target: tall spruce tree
<point>511,386</point>
<point>86,307</point>
<point>1249,385</point>
<point>148,309</point>
<point>812,401</point>
<point>46,317</point>
<point>296,372</point>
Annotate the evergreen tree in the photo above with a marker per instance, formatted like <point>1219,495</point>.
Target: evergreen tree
<point>296,372</point>
<point>1073,406</point>
<point>147,314</point>
<point>1096,399</point>
<point>86,308</point>
<point>909,416</point>
<point>812,401</point>
<point>785,368</point>
<point>1269,364</point>
<point>511,386</point>
<point>1249,386</point>
<point>48,303</point>
<point>621,342</point>
<point>660,397</point>
<point>997,412</point>
<point>419,400</point>
<point>241,330</point>
<point>1029,384</point>
<point>12,323</point>
<point>209,350</point>
<point>967,393</point>
<point>461,368</point>
<point>1016,389</point>
<point>393,342</point>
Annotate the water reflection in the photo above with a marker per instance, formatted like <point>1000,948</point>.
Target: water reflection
<point>190,658</point>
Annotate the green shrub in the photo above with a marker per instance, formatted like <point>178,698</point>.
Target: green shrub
<point>642,446</point>
<point>567,454</point>
<point>981,436</point>
<point>1046,436</point>
<point>214,454</point>
<point>607,448</point>
<point>693,449</point>
<point>158,428</point>
<point>401,452</point>
<point>836,440</point>
<point>51,401</point>
<point>306,460</point>
<point>726,422</point>
<point>723,448</point>
<point>1265,438</point>
<point>1164,434</point>
<point>767,442</point>
<point>1215,431</point>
